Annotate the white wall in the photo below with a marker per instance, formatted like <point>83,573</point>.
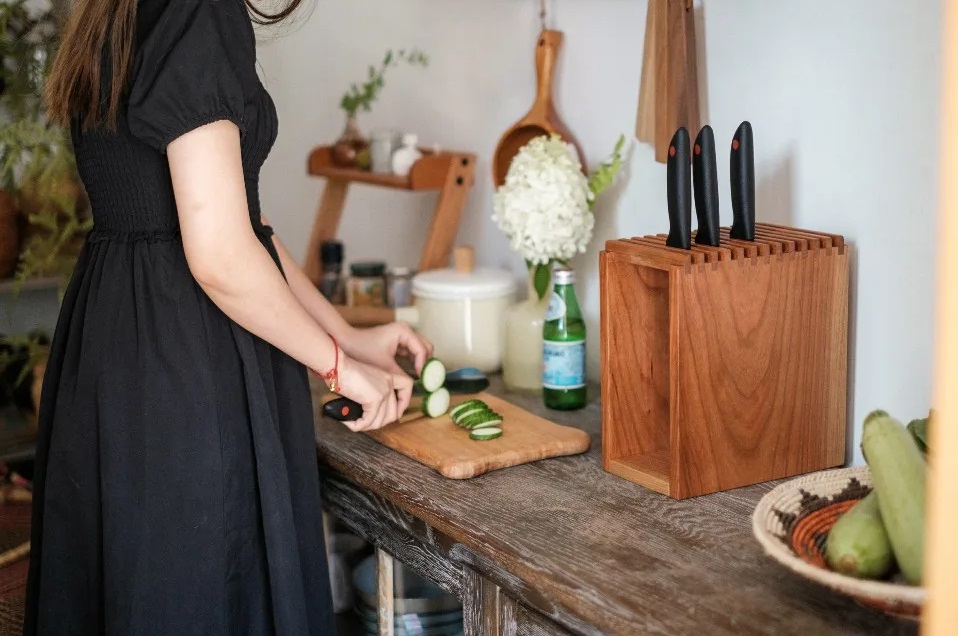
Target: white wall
<point>842,97</point>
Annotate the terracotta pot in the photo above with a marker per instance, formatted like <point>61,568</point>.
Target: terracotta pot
<point>351,150</point>
<point>9,236</point>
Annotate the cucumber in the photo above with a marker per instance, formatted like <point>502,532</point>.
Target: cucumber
<point>436,404</point>
<point>484,434</point>
<point>478,420</point>
<point>473,411</point>
<point>433,375</point>
<point>919,430</point>
<point>468,404</point>
<point>858,544</point>
<point>898,473</point>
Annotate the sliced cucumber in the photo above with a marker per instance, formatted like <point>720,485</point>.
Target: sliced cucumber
<point>485,434</point>
<point>471,412</point>
<point>436,404</point>
<point>464,406</point>
<point>433,375</point>
<point>481,420</point>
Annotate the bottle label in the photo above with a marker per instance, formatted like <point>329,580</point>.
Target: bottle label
<point>556,308</point>
<point>563,364</point>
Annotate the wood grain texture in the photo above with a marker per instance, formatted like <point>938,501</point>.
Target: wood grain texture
<point>325,226</point>
<point>733,371</point>
<point>459,178</point>
<point>481,606</point>
<point>542,117</point>
<point>645,115</point>
<point>385,594</point>
<point>443,446</point>
<point>596,554</point>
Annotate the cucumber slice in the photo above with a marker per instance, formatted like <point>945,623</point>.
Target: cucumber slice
<point>436,404</point>
<point>473,411</point>
<point>433,375</point>
<point>467,405</point>
<point>485,434</point>
<point>480,420</point>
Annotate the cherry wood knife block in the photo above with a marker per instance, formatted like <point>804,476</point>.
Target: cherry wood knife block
<point>723,366</point>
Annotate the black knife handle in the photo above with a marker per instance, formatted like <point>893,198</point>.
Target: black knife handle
<point>743,184</point>
<point>343,410</point>
<point>705,179</point>
<point>679,189</point>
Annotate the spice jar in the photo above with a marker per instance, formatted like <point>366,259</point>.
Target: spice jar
<point>399,287</point>
<point>367,284</point>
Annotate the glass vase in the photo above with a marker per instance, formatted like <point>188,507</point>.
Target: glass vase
<point>351,150</point>
<point>522,362</point>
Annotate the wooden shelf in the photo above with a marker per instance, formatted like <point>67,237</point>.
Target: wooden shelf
<point>450,174</point>
<point>429,173</point>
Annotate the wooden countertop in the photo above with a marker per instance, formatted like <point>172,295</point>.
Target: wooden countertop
<point>617,557</point>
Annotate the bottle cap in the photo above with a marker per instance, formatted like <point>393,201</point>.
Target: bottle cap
<point>331,252</point>
<point>563,275</point>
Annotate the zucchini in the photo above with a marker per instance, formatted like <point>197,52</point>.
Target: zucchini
<point>487,433</point>
<point>462,407</point>
<point>857,544</point>
<point>433,375</point>
<point>436,404</point>
<point>898,473</point>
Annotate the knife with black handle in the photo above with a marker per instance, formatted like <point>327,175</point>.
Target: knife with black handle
<point>679,191</point>
<point>705,179</point>
<point>743,184</point>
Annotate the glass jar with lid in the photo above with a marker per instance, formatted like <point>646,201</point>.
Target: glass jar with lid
<point>367,284</point>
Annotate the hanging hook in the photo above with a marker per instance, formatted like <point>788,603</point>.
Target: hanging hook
<point>542,13</point>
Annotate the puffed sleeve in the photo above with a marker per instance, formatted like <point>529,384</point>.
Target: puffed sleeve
<point>186,70</point>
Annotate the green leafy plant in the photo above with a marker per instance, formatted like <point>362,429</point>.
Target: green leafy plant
<point>37,165</point>
<point>361,96</point>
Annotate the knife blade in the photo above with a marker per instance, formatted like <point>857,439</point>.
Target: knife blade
<point>742,158</point>
<point>679,191</point>
<point>705,180</point>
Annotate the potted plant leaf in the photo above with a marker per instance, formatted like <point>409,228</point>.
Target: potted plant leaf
<point>37,165</point>
<point>352,148</point>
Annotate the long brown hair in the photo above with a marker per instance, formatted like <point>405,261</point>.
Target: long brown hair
<point>76,75</point>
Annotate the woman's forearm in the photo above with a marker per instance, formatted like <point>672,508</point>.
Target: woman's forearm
<point>315,304</point>
<point>247,287</point>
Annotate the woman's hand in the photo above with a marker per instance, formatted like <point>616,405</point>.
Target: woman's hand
<point>379,346</point>
<point>384,396</point>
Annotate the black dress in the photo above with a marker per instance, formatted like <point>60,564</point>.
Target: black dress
<point>176,485</point>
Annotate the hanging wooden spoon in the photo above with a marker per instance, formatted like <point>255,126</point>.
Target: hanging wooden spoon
<point>542,118</point>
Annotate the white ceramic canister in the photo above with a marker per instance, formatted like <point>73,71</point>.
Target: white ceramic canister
<point>462,312</point>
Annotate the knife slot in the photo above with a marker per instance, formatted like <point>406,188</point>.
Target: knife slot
<point>658,242</point>
<point>801,244</point>
<point>836,240</point>
<point>712,254</point>
<point>784,246</point>
<point>627,251</point>
<point>669,255</point>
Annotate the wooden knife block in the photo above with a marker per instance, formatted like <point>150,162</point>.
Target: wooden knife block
<point>723,366</point>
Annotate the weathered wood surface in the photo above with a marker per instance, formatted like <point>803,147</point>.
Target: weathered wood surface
<point>598,554</point>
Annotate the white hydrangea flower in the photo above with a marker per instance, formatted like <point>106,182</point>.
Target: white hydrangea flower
<point>544,205</point>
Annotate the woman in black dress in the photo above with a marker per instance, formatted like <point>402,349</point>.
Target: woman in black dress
<point>176,487</point>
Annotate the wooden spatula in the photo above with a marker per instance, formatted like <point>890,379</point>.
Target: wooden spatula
<point>542,118</point>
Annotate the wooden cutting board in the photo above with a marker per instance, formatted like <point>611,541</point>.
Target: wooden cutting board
<point>443,446</point>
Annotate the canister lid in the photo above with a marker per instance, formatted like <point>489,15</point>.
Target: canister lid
<point>368,269</point>
<point>449,284</point>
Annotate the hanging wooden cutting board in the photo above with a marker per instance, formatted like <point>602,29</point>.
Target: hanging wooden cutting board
<point>446,448</point>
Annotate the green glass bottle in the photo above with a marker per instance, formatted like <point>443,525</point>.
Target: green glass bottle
<point>563,346</point>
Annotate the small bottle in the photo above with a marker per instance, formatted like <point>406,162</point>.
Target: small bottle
<point>331,284</point>
<point>563,346</point>
<point>405,157</point>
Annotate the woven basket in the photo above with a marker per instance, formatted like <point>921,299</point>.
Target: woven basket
<point>792,521</point>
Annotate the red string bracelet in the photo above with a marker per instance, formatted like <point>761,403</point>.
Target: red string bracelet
<point>331,377</point>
